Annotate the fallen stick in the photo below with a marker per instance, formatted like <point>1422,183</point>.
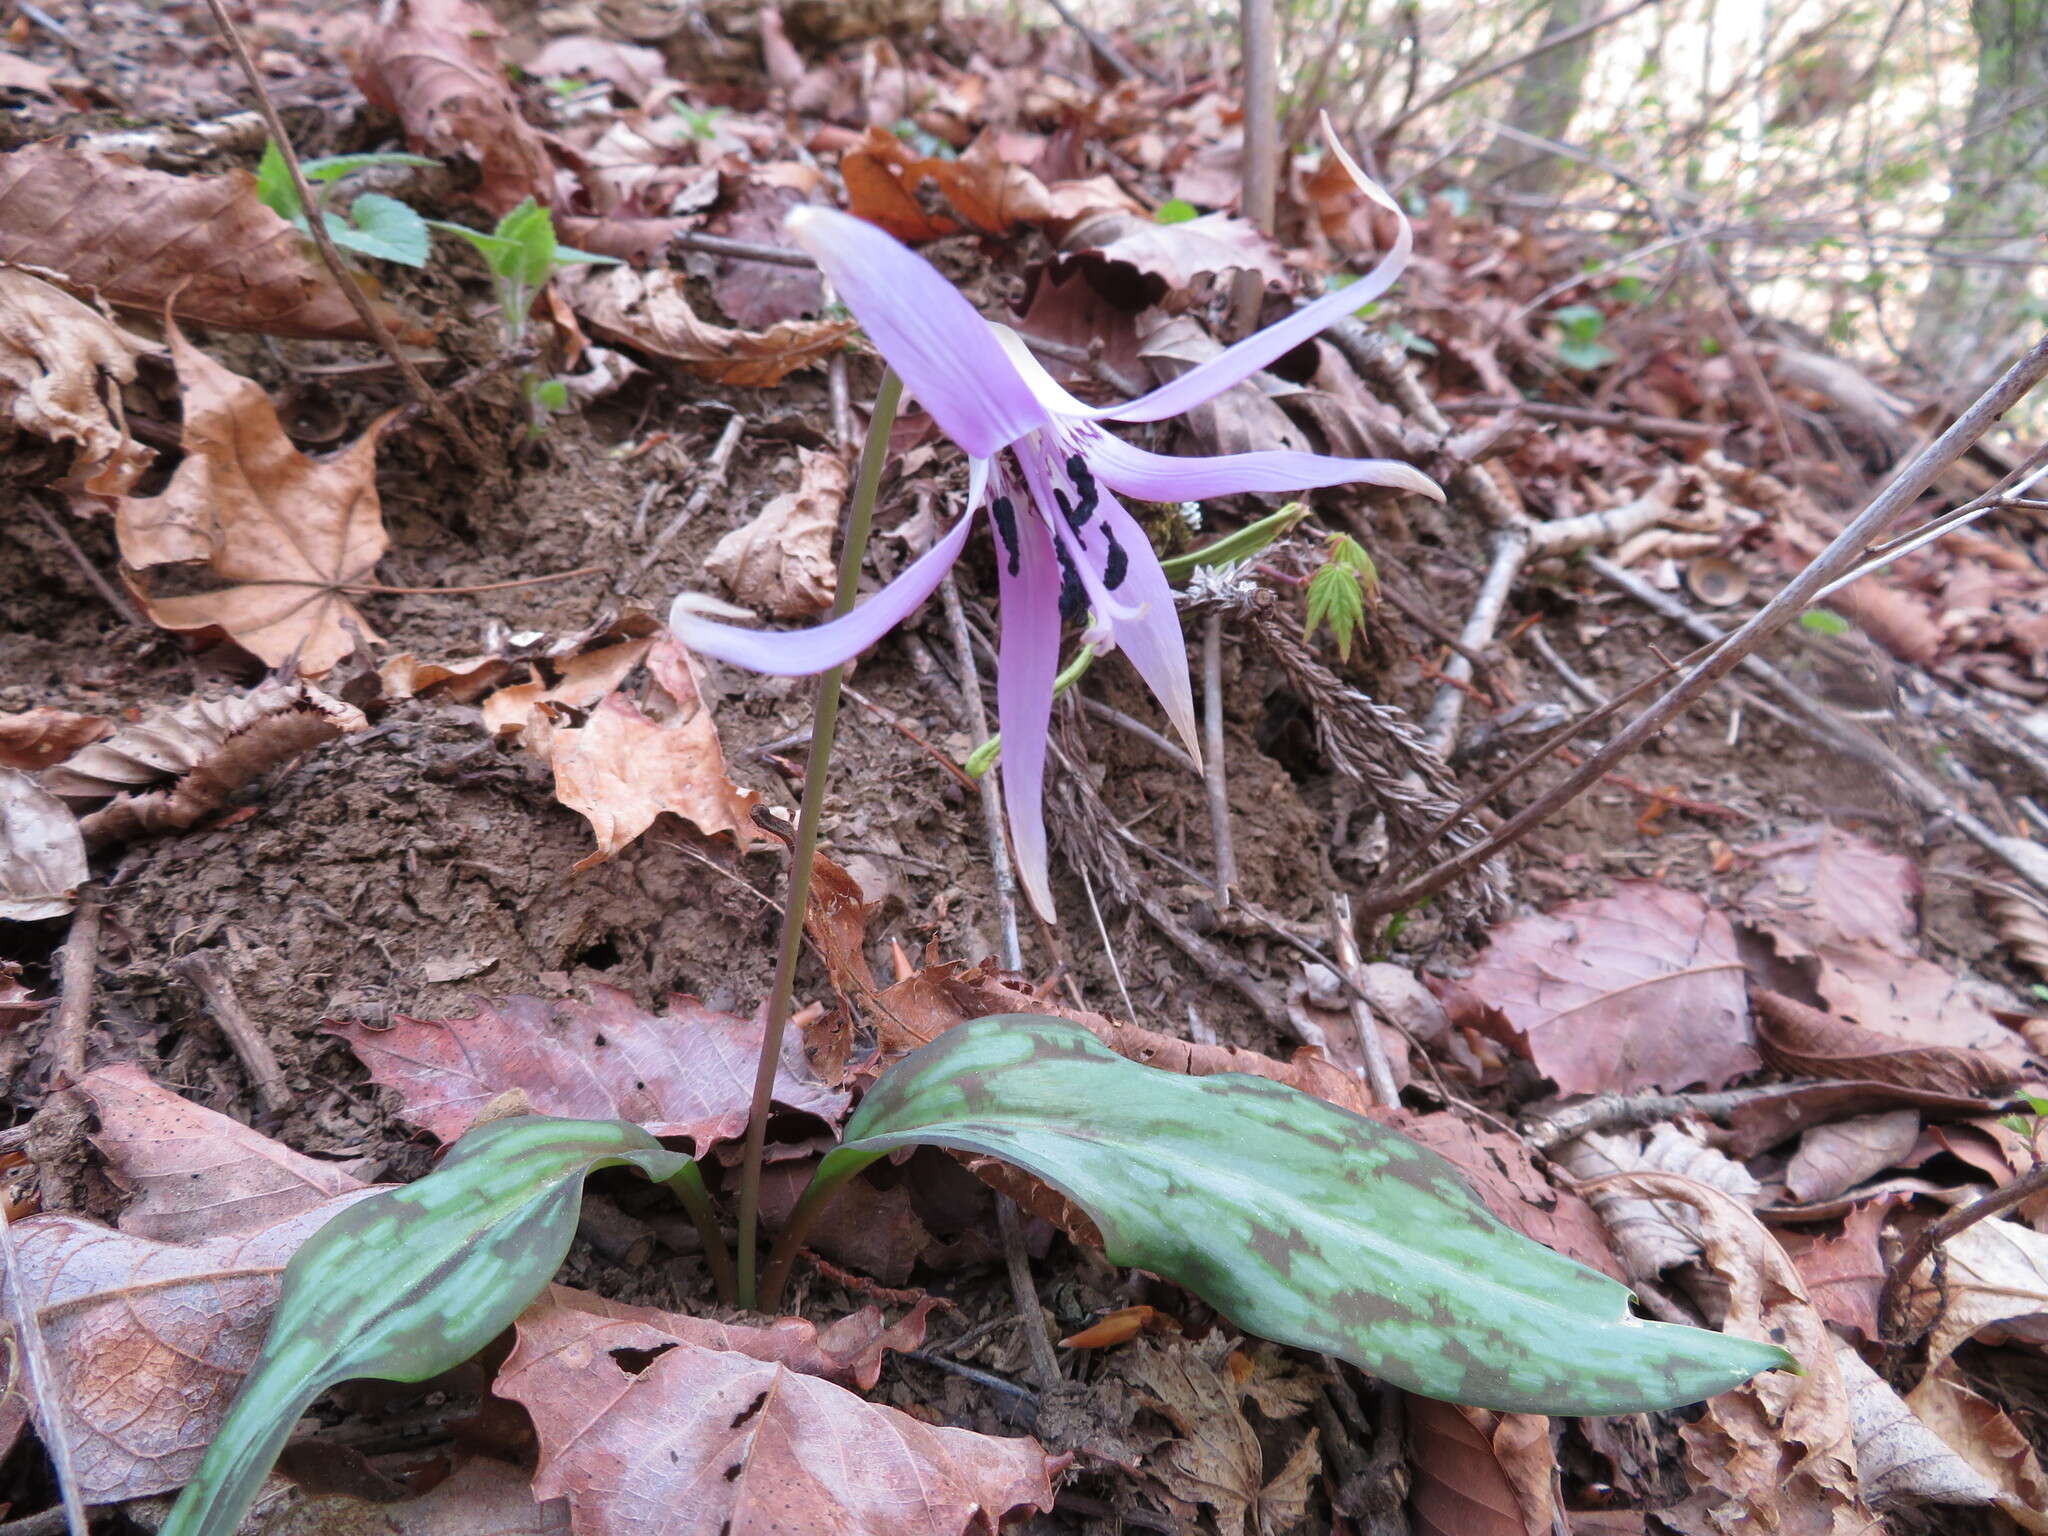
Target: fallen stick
<point>243,1035</point>
<point>77,966</point>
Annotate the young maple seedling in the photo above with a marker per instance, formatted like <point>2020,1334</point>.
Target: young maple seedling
<point>1339,592</point>
<point>522,254</point>
<point>372,225</point>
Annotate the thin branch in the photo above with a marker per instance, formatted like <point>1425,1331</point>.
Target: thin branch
<point>1839,556</point>
<point>243,1035</point>
<point>990,785</point>
<point>1102,47</point>
<point>78,965</point>
<point>1465,80</point>
<point>1930,1237</point>
<point>1215,784</point>
<point>1379,1072</point>
<point>106,589</point>
<point>1261,148</point>
<point>316,226</point>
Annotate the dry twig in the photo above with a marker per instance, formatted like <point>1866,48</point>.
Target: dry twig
<point>243,1035</point>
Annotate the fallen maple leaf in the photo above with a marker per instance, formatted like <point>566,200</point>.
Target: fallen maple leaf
<point>148,1342</point>
<point>651,311</point>
<point>42,737</point>
<point>1641,989</point>
<point>781,560</point>
<point>42,851</point>
<point>704,1442</point>
<point>687,1072</point>
<point>197,1174</point>
<point>142,239</point>
<point>292,533</point>
<point>1845,1272</point>
<point>436,64</point>
<point>622,769</point>
<point>61,366</point>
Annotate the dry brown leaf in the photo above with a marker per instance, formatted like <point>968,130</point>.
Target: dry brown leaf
<point>687,1072</point>
<point>1178,255</point>
<point>61,367</point>
<point>1845,1273</point>
<point>1242,419</point>
<point>651,311</point>
<point>436,64</point>
<point>2021,924</point>
<point>622,768</point>
<point>1641,989</point>
<point>782,560</point>
<point>582,680</point>
<point>1652,1236</point>
<point>42,851</point>
<point>1993,1280</point>
<point>1777,1114</point>
<point>43,737</point>
<point>847,1352</point>
<point>142,239</point>
<point>1806,1042</point>
<point>460,680</point>
<point>291,533</point>
<point>18,1006</point>
<point>1834,1159</point>
<point>1775,1454</point>
<point>148,1342</point>
<point>1824,886</point>
<point>705,1442</point>
<point>1979,1433</point>
<point>197,1174</point>
<point>1478,1473</point>
<point>480,1498</point>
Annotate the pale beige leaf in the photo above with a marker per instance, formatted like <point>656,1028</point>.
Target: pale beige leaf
<point>1178,254</point>
<point>2022,924</point>
<point>142,239</point>
<point>782,560</point>
<point>1987,1441</point>
<point>1834,1159</point>
<point>287,533</point>
<point>169,742</point>
<point>1652,1236</point>
<point>43,736</point>
<point>622,768</point>
<point>197,1174</point>
<point>42,851</point>
<point>651,311</point>
<point>61,366</point>
<point>1776,1454</point>
<point>1994,1275</point>
<point>1900,1458</point>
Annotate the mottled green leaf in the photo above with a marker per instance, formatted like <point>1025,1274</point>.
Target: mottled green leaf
<point>411,1282</point>
<point>1299,1221</point>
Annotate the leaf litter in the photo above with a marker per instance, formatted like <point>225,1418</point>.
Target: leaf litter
<point>472,782</point>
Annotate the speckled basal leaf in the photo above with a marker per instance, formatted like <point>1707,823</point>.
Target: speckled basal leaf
<point>1296,1219</point>
<point>412,1282</point>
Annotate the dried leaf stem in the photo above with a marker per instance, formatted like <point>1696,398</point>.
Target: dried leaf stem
<point>1839,556</point>
<point>825,720</point>
<point>243,1035</point>
<point>316,226</point>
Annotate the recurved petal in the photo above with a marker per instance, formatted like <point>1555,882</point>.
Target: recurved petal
<point>1168,477</point>
<point>1030,661</point>
<point>1235,364</point>
<point>947,355</point>
<point>801,652</point>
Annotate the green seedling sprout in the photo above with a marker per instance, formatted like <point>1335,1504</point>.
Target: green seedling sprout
<point>1580,346</point>
<point>1338,593</point>
<point>522,254</point>
<point>373,225</point>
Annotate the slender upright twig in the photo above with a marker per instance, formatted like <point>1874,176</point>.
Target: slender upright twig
<point>1494,67</point>
<point>825,719</point>
<point>316,226</point>
<point>1102,47</point>
<point>1261,148</point>
<point>1839,556</point>
<point>77,966</point>
<point>1379,1072</point>
<point>1214,781</point>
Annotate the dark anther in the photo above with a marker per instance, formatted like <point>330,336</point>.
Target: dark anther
<point>1073,596</point>
<point>1005,513</point>
<point>1118,565</point>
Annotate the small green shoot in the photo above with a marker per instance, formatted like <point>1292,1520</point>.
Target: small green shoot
<point>523,254</point>
<point>1175,210</point>
<point>1824,621</point>
<point>374,225</point>
<point>1580,346</point>
<point>699,122</point>
<point>1338,593</point>
<point>2027,1125</point>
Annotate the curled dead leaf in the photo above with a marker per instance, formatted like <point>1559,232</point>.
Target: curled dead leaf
<point>42,851</point>
<point>42,737</point>
<point>651,311</point>
<point>781,560</point>
<point>61,367</point>
<point>143,239</point>
<point>1652,1236</point>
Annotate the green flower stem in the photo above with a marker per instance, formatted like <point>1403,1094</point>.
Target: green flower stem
<point>688,1187</point>
<point>860,517</point>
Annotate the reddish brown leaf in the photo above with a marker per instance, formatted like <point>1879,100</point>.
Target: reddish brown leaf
<point>197,1174</point>
<point>705,1442</point>
<point>290,534</point>
<point>1833,1159</point>
<point>436,64</point>
<point>687,1072</point>
<point>1805,1042</point>
<point>847,1352</point>
<point>148,1341</point>
<point>1987,1440</point>
<point>42,737</point>
<point>1642,989</point>
<point>1845,1273</point>
<point>141,239</point>
<point>1757,1124</point>
<point>1463,1483</point>
<point>1824,886</point>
